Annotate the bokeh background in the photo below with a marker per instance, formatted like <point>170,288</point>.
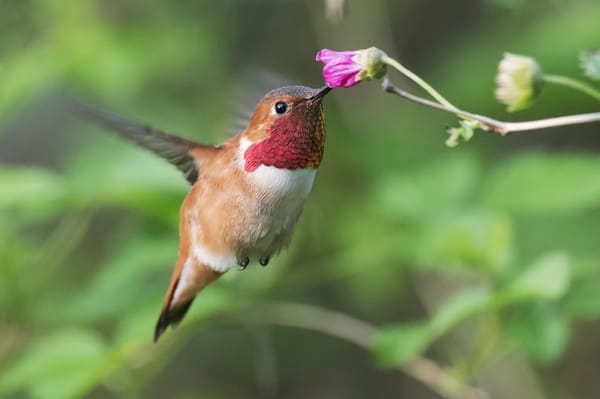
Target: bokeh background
<point>416,271</point>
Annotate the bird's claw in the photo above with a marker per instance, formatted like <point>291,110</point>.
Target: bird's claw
<point>243,262</point>
<point>264,261</point>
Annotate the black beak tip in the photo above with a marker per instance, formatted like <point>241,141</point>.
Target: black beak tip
<point>321,93</point>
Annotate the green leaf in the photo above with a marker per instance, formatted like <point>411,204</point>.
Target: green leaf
<point>547,278</point>
<point>590,63</point>
<point>12,252</point>
<point>31,191</point>
<point>397,345</point>
<point>465,131</point>
<point>439,187</point>
<point>458,308</point>
<point>482,241</point>
<point>538,330</point>
<point>216,300</point>
<point>65,365</point>
<point>136,330</point>
<point>133,178</point>
<point>583,299</point>
<point>545,184</point>
<point>126,281</point>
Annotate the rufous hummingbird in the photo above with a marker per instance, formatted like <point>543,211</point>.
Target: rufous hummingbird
<point>247,193</point>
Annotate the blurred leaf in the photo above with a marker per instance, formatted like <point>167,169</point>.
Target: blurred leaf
<point>214,301</point>
<point>458,308</point>
<point>439,187</point>
<point>137,329</point>
<point>590,63</point>
<point>34,192</point>
<point>478,240</point>
<point>547,278</point>
<point>539,331</point>
<point>583,299</point>
<point>121,175</point>
<point>64,365</point>
<point>543,184</point>
<point>124,282</point>
<point>14,281</point>
<point>397,345</point>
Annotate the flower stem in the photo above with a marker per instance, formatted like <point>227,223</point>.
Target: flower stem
<point>493,125</point>
<point>418,80</point>
<point>573,84</point>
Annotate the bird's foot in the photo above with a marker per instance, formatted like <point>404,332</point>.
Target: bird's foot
<point>264,261</point>
<point>243,262</point>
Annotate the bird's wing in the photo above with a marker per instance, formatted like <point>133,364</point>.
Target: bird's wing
<point>177,150</point>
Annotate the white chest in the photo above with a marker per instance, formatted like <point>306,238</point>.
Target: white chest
<point>279,196</point>
<point>276,185</point>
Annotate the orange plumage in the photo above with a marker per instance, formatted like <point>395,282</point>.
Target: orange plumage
<point>247,193</point>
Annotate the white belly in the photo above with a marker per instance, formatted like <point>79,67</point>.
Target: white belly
<point>281,194</point>
<point>282,184</point>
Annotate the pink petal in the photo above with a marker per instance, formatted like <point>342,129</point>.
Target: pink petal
<point>340,70</point>
<point>341,75</point>
<point>327,55</point>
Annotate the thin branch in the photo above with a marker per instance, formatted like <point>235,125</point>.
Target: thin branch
<point>490,124</point>
<point>317,319</point>
<point>486,123</point>
<point>552,122</point>
<point>361,334</point>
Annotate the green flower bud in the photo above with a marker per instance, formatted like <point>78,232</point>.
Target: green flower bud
<point>519,81</point>
<point>371,60</point>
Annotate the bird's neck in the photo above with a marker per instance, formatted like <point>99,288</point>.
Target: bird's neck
<point>289,145</point>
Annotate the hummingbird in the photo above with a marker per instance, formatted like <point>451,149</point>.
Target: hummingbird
<point>247,193</point>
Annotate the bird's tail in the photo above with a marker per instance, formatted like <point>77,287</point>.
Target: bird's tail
<point>188,279</point>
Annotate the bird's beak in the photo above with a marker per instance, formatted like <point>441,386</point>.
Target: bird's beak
<point>321,93</point>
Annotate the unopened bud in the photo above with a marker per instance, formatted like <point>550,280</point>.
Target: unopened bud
<point>519,81</point>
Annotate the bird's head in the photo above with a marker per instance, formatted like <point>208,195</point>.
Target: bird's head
<point>287,129</point>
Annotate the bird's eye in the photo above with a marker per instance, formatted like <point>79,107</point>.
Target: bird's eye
<point>280,107</point>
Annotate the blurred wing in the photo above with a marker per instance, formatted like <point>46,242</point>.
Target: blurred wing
<point>174,149</point>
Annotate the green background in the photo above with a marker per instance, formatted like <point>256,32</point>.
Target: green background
<point>484,258</point>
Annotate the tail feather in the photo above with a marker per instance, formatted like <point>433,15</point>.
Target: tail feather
<point>188,279</point>
<point>171,317</point>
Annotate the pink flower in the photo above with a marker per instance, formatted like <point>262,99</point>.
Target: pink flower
<point>348,68</point>
<point>340,69</point>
